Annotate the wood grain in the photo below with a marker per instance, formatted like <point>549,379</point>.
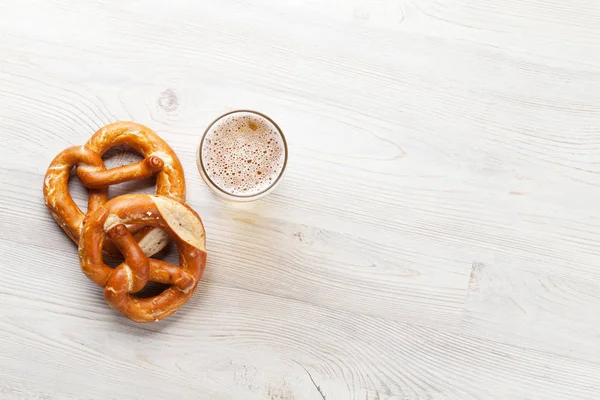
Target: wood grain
<point>435,237</point>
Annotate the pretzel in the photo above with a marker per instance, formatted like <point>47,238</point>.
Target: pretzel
<point>159,159</point>
<point>120,284</point>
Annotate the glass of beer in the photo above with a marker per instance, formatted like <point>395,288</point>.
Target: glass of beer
<point>242,155</point>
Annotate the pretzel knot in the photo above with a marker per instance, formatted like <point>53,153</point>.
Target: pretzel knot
<point>182,224</point>
<point>159,159</point>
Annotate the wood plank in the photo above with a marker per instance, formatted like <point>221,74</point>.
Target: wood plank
<point>435,237</point>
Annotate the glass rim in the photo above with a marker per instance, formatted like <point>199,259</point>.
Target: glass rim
<point>213,185</point>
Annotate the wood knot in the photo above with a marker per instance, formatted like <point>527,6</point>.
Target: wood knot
<point>168,100</point>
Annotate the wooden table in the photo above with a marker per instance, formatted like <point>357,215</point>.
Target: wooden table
<point>436,235</point>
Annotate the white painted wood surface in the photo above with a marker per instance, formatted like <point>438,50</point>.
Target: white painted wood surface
<point>436,236</point>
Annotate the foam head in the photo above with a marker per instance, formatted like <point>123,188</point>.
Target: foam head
<point>243,153</point>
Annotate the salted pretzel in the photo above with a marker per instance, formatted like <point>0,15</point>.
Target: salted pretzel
<point>159,159</point>
<point>120,284</point>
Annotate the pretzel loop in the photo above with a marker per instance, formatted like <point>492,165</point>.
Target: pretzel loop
<point>56,188</point>
<point>182,224</point>
<point>159,159</point>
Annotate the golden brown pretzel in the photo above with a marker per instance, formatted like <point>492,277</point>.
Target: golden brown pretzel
<point>56,189</point>
<point>170,181</point>
<point>159,159</point>
<point>120,284</point>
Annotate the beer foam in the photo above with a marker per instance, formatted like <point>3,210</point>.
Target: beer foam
<point>243,153</point>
